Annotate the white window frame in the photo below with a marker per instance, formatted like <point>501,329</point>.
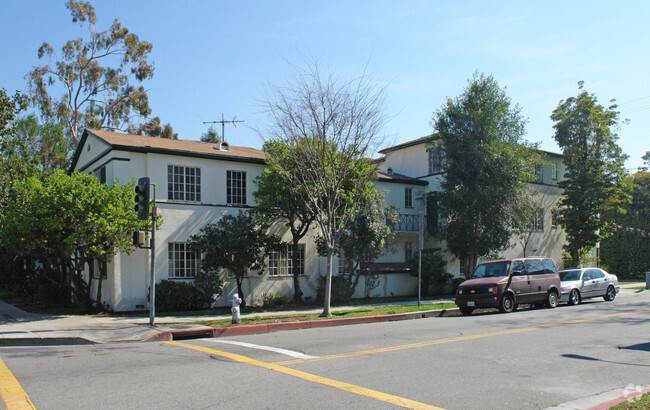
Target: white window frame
<point>281,262</point>
<point>408,197</point>
<point>435,160</point>
<point>538,222</point>
<point>183,263</point>
<point>183,183</point>
<point>554,171</point>
<point>235,187</point>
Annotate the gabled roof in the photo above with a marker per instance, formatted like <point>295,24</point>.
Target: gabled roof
<point>189,148</point>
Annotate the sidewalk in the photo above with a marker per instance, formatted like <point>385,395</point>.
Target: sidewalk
<point>20,328</point>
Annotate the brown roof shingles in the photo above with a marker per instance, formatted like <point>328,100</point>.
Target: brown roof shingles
<point>190,146</point>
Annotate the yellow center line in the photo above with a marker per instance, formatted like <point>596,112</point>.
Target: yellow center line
<point>362,391</point>
<point>11,391</point>
<point>455,339</point>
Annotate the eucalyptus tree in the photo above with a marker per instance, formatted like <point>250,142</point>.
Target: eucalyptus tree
<point>90,83</point>
<point>328,127</point>
<point>594,185</point>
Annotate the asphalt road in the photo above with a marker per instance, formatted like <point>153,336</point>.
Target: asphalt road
<point>529,359</point>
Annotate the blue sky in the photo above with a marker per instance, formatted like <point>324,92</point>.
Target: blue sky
<point>215,57</point>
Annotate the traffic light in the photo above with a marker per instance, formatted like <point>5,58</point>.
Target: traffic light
<point>142,198</point>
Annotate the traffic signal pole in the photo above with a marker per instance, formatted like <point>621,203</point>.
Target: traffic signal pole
<point>152,274</point>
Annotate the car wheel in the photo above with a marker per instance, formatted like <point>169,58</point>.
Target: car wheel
<point>611,294</point>
<point>466,311</point>
<point>507,304</point>
<point>574,297</point>
<point>551,299</point>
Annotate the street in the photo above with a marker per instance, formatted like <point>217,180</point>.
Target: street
<point>529,359</point>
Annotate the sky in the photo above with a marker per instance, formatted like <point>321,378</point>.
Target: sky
<point>220,57</point>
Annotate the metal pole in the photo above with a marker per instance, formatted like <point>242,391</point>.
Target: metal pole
<point>420,243</point>
<point>152,274</point>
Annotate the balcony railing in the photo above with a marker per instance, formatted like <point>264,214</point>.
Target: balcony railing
<point>408,223</point>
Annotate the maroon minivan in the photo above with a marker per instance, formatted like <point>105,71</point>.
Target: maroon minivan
<point>506,283</point>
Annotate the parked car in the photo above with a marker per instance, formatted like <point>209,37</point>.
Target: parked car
<point>506,283</point>
<point>584,283</point>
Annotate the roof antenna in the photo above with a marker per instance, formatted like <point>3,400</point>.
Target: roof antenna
<point>223,123</point>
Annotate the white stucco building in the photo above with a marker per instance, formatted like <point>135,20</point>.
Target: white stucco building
<point>198,182</point>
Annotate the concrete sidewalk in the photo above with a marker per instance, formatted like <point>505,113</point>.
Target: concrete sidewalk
<point>18,327</point>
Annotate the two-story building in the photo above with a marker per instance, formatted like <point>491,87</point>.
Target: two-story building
<point>196,183</point>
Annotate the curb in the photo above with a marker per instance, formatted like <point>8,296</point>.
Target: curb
<point>170,335</point>
<point>45,341</point>
<point>614,402</point>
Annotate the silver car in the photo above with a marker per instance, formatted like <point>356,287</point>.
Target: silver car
<point>584,283</point>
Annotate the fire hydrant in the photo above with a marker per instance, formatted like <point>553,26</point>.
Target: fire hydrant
<point>236,301</point>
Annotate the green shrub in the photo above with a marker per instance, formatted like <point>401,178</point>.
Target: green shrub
<point>176,296</point>
<point>53,294</point>
<point>341,290</point>
<point>272,301</point>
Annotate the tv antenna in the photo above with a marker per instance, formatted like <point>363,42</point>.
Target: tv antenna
<point>223,123</point>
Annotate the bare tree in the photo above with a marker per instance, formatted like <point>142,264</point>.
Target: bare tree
<point>326,126</point>
<point>528,214</point>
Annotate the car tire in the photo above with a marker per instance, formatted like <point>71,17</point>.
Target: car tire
<point>507,303</point>
<point>551,299</point>
<point>466,311</point>
<point>574,297</point>
<point>611,294</point>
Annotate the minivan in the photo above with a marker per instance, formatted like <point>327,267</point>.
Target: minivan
<point>507,283</point>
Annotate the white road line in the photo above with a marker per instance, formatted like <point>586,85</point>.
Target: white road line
<point>290,353</point>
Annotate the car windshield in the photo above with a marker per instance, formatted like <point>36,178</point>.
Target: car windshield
<point>492,269</point>
<point>570,274</point>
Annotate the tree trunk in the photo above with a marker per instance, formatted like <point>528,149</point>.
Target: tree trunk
<point>328,285</point>
<point>297,292</point>
<point>98,300</point>
<point>240,290</point>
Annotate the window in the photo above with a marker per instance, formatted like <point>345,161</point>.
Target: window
<point>236,187</point>
<point>538,222</point>
<point>554,171</point>
<point>281,262</point>
<point>98,269</point>
<point>408,197</point>
<point>435,160</point>
<point>535,267</point>
<point>183,183</point>
<point>100,174</point>
<point>408,251</point>
<point>182,262</point>
<point>538,173</point>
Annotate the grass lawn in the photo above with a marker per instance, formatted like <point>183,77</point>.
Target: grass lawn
<point>641,402</point>
<point>296,317</point>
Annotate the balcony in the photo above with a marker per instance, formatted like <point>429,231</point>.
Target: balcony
<point>408,223</point>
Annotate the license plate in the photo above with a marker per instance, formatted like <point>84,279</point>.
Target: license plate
<point>471,304</point>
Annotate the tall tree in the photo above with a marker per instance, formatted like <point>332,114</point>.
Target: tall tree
<point>594,191</point>
<point>16,160</point>
<point>329,127</point>
<point>47,143</point>
<point>94,93</point>
<point>66,222</point>
<point>487,164</point>
<point>210,135</point>
<point>154,128</point>
<point>275,201</point>
<point>626,251</point>
<point>236,244</point>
